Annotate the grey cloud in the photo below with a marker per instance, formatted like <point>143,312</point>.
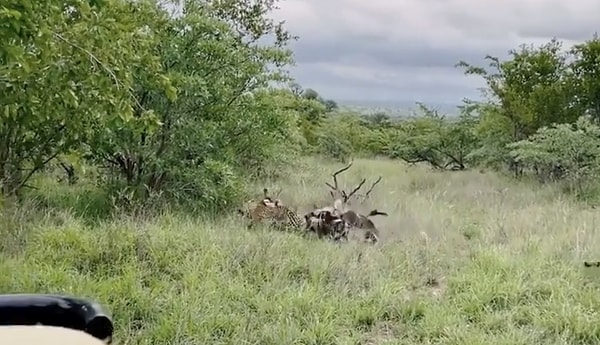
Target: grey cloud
<point>567,33</point>
<point>386,52</point>
<point>404,71</point>
<point>526,19</point>
<point>405,86</point>
<point>407,49</point>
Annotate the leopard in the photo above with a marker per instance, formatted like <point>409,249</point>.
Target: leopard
<point>274,213</point>
<point>286,218</point>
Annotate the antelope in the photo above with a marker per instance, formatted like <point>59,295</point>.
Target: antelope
<point>341,204</point>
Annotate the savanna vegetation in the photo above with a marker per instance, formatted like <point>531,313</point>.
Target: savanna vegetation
<point>129,135</point>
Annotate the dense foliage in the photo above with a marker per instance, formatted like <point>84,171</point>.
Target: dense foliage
<point>183,108</point>
<point>169,105</point>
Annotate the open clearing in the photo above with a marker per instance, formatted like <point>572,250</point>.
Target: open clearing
<point>501,263</point>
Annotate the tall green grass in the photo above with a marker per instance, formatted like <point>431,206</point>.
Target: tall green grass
<point>465,258</point>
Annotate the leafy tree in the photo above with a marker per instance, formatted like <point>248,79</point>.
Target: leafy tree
<point>65,70</point>
<point>586,70</point>
<point>330,105</point>
<point>378,120</point>
<point>435,140</point>
<point>311,118</point>
<point>492,131</point>
<point>563,152</point>
<point>530,90</point>
<point>221,113</point>
<point>310,94</point>
<point>296,89</point>
<point>342,135</point>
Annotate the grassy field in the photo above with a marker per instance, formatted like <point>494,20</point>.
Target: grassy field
<point>465,258</point>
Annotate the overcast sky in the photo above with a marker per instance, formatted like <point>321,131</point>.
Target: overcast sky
<point>405,50</point>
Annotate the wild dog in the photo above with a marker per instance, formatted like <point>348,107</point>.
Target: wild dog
<point>325,223</point>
